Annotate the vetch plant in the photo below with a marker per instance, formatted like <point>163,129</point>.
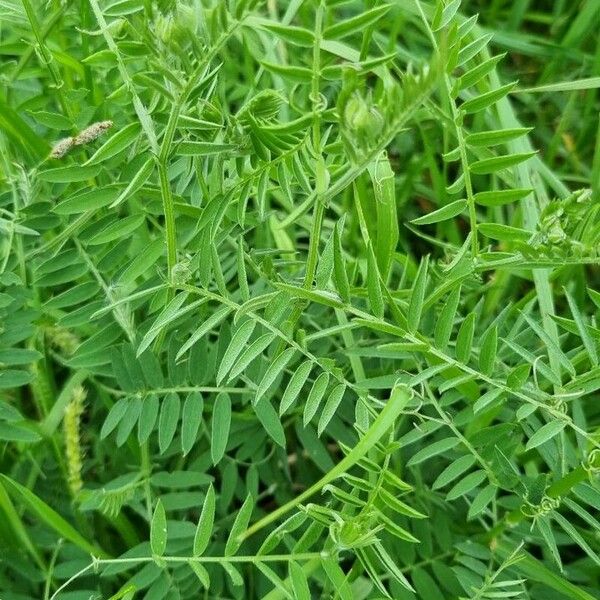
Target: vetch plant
<point>298,300</point>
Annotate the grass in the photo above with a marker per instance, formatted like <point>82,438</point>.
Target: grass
<point>298,300</point>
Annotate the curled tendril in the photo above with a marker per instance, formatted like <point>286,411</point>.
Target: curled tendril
<point>546,506</point>
<point>592,463</point>
<point>319,103</point>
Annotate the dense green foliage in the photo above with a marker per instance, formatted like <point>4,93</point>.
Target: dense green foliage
<point>297,299</point>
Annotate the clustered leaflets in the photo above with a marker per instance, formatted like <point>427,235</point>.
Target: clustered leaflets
<point>294,308</point>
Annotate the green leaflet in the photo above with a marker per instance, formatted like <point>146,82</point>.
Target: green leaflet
<point>158,530</point>
<point>168,419</point>
<point>272,372</point>
<point>238,341</point>
<point>191,419</point>
<point>205,523</point>
<point>545,433</point>
<point>220,425</point>
<point>417,296</point>
<point>442,214</point>
<point>250,354</point>
<point>239,525</point>
<point>374,285</point>
<point>331,406</point>
<point>317,391</point>
<point>297,380</point>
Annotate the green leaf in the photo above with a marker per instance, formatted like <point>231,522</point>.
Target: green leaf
<point>355,24</point>
<point>500,197</point>
<point>236,345</point>
<point>545,433</point>
<point>486,99</point>
<point>167,422</point>
<point>432,450</point>
<point>296,74</point>
<point>446,15</point>
<point>494,138</point>
<point>337,577</point>
<point>576,537</point>
<point>488,349</point>
<point>481,500</point>
<point>445,322</point>
<point>478,72</point>
<point>158,530</point>
<point>148,416</point>
<point>300,586</point>
<point>221,423</point>
<point>589,83</point>
<point>250,354</point>
<point>315,396</point>
<point>297,380</point>
<point>465,485</point>
<point>81,202</point>
<point>374,285</point>
<point>504,233</point>
<point>137,181</point>
<point>586,338</point>
<point>142,262</point>
<point>129,420</point>
<point>117,229</point>
<point>331,406</point>
<point>453,470</point>
<point>169,314</point>
<point>273,371</point>
<point>472,49</point>
<point>417,296</point>
<point>269,419</point>
<point>69,174</point>
<point>201,573</point>
<point>339,266</point>
<point>442,214</point>
<point>13,378</point>
<point>18,432</point>
<point>203,148</point>
<point>215,319</point>
<point>294,35</point>
<point>116,143</point>
<point>205,523</point>
<point>464,339</point>
<point>319,296</point>
<point>498,163</point>
<point>239,526</point>
<point>116,413</point>
<point>191,420</point>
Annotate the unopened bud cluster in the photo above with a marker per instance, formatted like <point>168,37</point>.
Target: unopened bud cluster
<point>89,134</point>
<point>71,425</point>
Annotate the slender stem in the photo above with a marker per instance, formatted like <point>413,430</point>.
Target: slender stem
<point>305,556</point>
<point>315,235</point>
<point>179,388</point>
<point>47,57</point>
<point>457,122</point>
<point>317,198</point>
